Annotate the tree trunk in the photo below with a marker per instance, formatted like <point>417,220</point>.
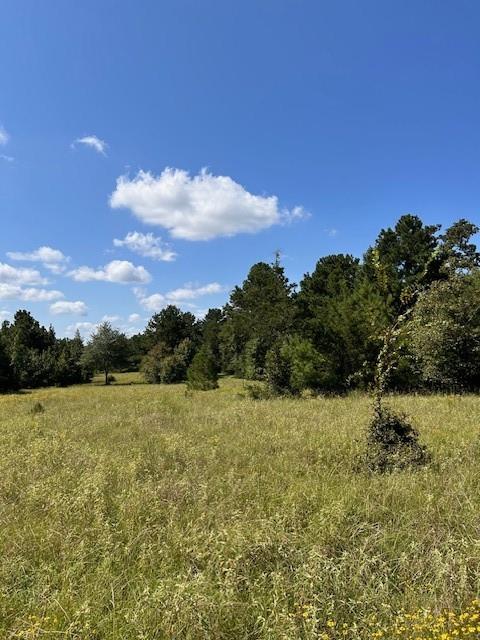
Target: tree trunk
<point>106,377</point>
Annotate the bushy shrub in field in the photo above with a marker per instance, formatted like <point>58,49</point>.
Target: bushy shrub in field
<point>202,373</point>
<point>392,443</point>
<point>278,370</point>
<point>445,333</point>
<point>254,359</point>
<point>162,366</point>
<point>294,365</point>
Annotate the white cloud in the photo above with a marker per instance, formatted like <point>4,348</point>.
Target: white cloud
<point>5,315</point>
<point>77,308</point>
<point>29,294</point>
<point>93,142</point>
<point>157,301</point>
<point>134,318</point>
<point>119,271</point>
<point>4,137</point>
<point>85,328</point>
<point>52,259</point>
<point>20,276</point>
<point>199,207</point>
<point>147,245</point>
<point>189,292</point>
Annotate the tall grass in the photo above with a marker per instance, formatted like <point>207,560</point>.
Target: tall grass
<point>142,512</point>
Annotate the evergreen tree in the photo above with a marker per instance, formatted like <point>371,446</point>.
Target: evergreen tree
<point>261,309</point>
<point>202,373</point>
<point>7,377</point>
<point>170,327</point>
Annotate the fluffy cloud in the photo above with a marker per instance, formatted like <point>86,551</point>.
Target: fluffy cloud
<point>157,301</point>
<point>93,142</point>
<point>134,318</point>
<point>20,276</point>
<point>119,271</point>
<point>4,137</point>
<point>27,294</point>
<point>147,245</point>
<point>85,329</point>
<point>52,259</point>
<point>5,315</point>
<point>199,207</point>
<point>77,308</point>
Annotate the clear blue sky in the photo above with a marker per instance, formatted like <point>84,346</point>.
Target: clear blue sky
<point>354,112</point>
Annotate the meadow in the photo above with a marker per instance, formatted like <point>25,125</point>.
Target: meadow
<point>147,512</point>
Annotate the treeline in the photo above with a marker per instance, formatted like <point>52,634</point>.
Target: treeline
<point>32,356</point>
<point>324,335</point>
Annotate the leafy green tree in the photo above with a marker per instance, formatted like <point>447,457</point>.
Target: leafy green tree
<point>398,261</point>
<point>202,373</point>
<point>262,309</point>
<point>163,366</point>
<point>170,327</point>
<point>69,364</point>
<point>106,350</point>
<point>445,333</point>
<point>455,254</point>
<point>278,370</point>
<point>211,327</point>
<point>7,376</point>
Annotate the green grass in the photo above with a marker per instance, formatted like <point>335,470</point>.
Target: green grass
<point>136,511</point>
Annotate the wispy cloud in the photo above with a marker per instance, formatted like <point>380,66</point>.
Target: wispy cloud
<point>100,146</point>
<point>6,158</point>
<point>146,245</point>
<point>4,137</point>
<point>157,301</point>
<point>52,259</point>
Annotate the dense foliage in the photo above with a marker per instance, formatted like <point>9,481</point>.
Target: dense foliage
<point>323,335</point>
<point>31,356</point>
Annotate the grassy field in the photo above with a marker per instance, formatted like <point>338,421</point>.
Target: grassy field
<point>136,511</point>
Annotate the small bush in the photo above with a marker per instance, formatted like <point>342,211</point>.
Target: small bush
<point>258,392</point>
<point>392,443</point>
<point>111,378</point>
<point>37,408</point>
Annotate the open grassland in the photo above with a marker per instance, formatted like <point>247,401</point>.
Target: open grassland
<point>137,511</point>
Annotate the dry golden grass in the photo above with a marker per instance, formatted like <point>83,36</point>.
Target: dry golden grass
<point>137,511</point>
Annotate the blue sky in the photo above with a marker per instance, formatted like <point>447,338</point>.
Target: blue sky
<point>203,135</point>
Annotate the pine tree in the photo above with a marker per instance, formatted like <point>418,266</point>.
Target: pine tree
<point>202,373</point>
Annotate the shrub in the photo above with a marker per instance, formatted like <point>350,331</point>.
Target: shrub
<point>202,373</point>
<point>445,333</point>
<point>294,365</point>
<point>258,391</point>
<point>162,366</point>
<point>37,408</point>
<point>392,443</point>
<point>278,370</point>
<point>254,359</point>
